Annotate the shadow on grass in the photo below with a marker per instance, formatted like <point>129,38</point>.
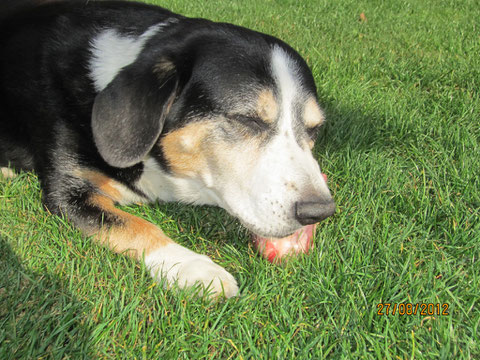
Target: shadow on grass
<point>359,131</point>
<point>38,317</point>
<point>207,222</point>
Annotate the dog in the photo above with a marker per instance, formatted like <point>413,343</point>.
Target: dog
<point>115,102</point>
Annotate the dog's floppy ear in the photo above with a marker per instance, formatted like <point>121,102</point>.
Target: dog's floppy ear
<point>128,115</point>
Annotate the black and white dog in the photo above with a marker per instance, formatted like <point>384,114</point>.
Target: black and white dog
<point>117,102</point>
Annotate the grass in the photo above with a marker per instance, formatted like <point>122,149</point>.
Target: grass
<point>401,149</point>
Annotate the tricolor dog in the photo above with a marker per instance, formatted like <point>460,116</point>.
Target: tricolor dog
<point>117,102</point>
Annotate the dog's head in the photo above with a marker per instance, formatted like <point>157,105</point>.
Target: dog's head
<point>229,116</point>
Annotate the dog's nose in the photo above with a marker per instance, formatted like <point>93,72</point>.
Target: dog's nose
<point>311,212</point>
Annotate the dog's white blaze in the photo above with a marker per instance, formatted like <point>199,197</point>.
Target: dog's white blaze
<point>299,158</point>
<point>284,72</point>
<point>112,51</point>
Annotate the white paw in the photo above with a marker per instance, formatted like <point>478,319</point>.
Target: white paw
<point>7,173</point>
<point>186,268</point>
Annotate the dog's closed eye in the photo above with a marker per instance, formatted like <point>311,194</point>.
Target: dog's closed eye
<point>252,121</point>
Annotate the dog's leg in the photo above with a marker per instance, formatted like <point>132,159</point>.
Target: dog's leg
<point>92,209</point>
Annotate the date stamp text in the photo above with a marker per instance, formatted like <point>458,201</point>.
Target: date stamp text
<point>422,309</point>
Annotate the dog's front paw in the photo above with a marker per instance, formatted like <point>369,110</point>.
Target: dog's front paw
<point>212,276</point>
<point>186,268</point>
<point>7,173</point>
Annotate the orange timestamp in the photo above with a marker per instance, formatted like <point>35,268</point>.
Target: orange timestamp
<point>422,309</point>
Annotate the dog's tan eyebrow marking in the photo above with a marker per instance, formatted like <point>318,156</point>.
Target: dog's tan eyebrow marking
<point>312,114</point>
<point>267,106</point>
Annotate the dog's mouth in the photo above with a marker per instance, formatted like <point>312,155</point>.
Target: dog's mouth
<point>276,249</point>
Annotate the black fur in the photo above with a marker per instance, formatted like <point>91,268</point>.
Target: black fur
<point>139,101</point>
<point>53,121</point>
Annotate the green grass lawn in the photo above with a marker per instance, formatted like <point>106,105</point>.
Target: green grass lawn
<point>401,150</point>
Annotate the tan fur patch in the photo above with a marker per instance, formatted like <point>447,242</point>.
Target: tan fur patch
<point>163,67</point>
<point>267,107</point>
<point>105,184</point>
<point>198,151</point>
<point>312,114</point>
<point>185,148</point>
<point>136,237</point>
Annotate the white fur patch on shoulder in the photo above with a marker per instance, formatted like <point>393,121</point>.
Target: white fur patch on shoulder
<point>185,268</point>
<point>112,51</point>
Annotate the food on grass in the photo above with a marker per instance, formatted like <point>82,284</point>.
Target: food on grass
<point>276,249</point>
